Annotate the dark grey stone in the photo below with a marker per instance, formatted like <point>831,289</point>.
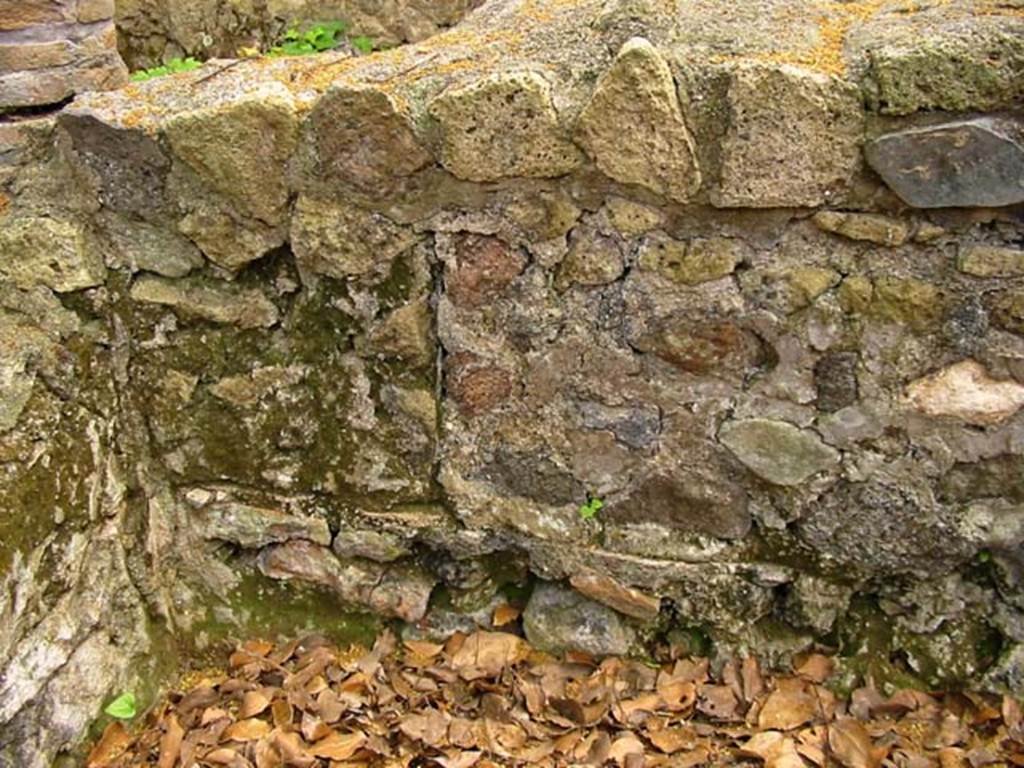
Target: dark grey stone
<point>978,162</point>
<point>835,376</point>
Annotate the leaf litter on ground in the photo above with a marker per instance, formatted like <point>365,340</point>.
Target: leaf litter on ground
<point>488,699</point>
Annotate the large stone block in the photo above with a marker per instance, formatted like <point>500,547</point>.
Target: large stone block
<point>503,125</point>
<point>633,126</point>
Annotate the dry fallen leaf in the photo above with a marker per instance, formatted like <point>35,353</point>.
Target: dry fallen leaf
<point>339,746</point>
<point>112,744</point>
<point>789,706</point>
<point>775,748</point>
<point>487,654</point>
<point>170,744</point>
<point>505,614</point>
<point>672,740</point>
<point>247,730</point>
<point>815,667</point>
<point>852,746</point>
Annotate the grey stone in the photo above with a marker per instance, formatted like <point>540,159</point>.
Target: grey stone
<point>57,253</point>
<point>534,476</point>
<point>558,619</point>
<point>777,451</point>
<point>207,301</point>
<point>835,376</point>
<point>964,163</point>
<point>253,527</point>
<point>695,501</point>
<point>399,591</point>
<point>816,603</point>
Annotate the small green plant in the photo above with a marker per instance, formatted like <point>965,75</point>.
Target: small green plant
<point>316,39</point>
<point>362,43</point>
<point>123,707</point>
<point>170,68</point>
<point>589,510</point>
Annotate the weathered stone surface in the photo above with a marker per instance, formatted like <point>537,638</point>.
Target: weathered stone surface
<point>240,147</point>
<point>138,245</point>
<point>963,163</point>
<point>47,55</point>
<point>690,262</point>
<point>59,254</point>
<point>256,527</point>
<point>991,261</point>
<point>483,268</point>
<point>940,57</point>
<point>778,451</point>
<point>967,392</point>
<point>359,137</point>
<point>406,334</point>
<point>592,260</point>
<point>717,348</point>
<point>477,387</point>
<point>503,125</point>
<point>633,126</point>
<point>206,301</point>
<point>558,619</point>
<point>396,591</point>
<point>793,138</point>
<point>626,600</point>
<point>340,240</point>
<point>872,227</point>
<point>835,377</point>
<point>694,502</point>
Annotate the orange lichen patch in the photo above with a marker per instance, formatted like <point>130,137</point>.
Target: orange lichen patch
<point>546,10</point>
<point>834,20</point>
<point>5,203</point>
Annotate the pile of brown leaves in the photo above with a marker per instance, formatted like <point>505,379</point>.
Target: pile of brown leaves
<point>488,699</point>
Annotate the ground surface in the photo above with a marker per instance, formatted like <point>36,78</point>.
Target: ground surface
<point>489,699</point>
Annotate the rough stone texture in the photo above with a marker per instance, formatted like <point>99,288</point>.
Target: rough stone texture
<point>777,451</point>
<point>503,125</point>
<point>809,120</point>
<point>49,51</point>
<point>557,618</point>
<point>967,392</point>
<point>271,356</point>
<point>633,126</point>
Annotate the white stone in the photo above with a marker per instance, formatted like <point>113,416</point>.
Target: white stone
<point>966,392</point>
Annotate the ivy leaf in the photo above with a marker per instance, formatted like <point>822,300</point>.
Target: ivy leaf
<point>123,707</point>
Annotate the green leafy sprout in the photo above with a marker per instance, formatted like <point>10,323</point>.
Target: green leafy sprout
<point>316,39</point>
<point>589,510</point>
<point>123,707</point>
<point>170,68</point>
<point>362,43</point>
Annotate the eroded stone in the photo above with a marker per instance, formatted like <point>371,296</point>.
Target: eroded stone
<point>793,138</point>
<point>633,126</point>
<point>203,300</point>
<point>503,125</point>
<point>778,451</point>
<point>965,391</point>
<point>559,619</point>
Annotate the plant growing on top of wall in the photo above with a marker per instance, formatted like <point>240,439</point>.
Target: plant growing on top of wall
<point>171,67</point>
<point>316,39</point>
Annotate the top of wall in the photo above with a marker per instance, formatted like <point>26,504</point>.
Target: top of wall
<point>766,103</point>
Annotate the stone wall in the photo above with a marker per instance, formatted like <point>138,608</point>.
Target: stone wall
<point>153,31</point>
<point>52,49</point>
<point>298,336</point>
